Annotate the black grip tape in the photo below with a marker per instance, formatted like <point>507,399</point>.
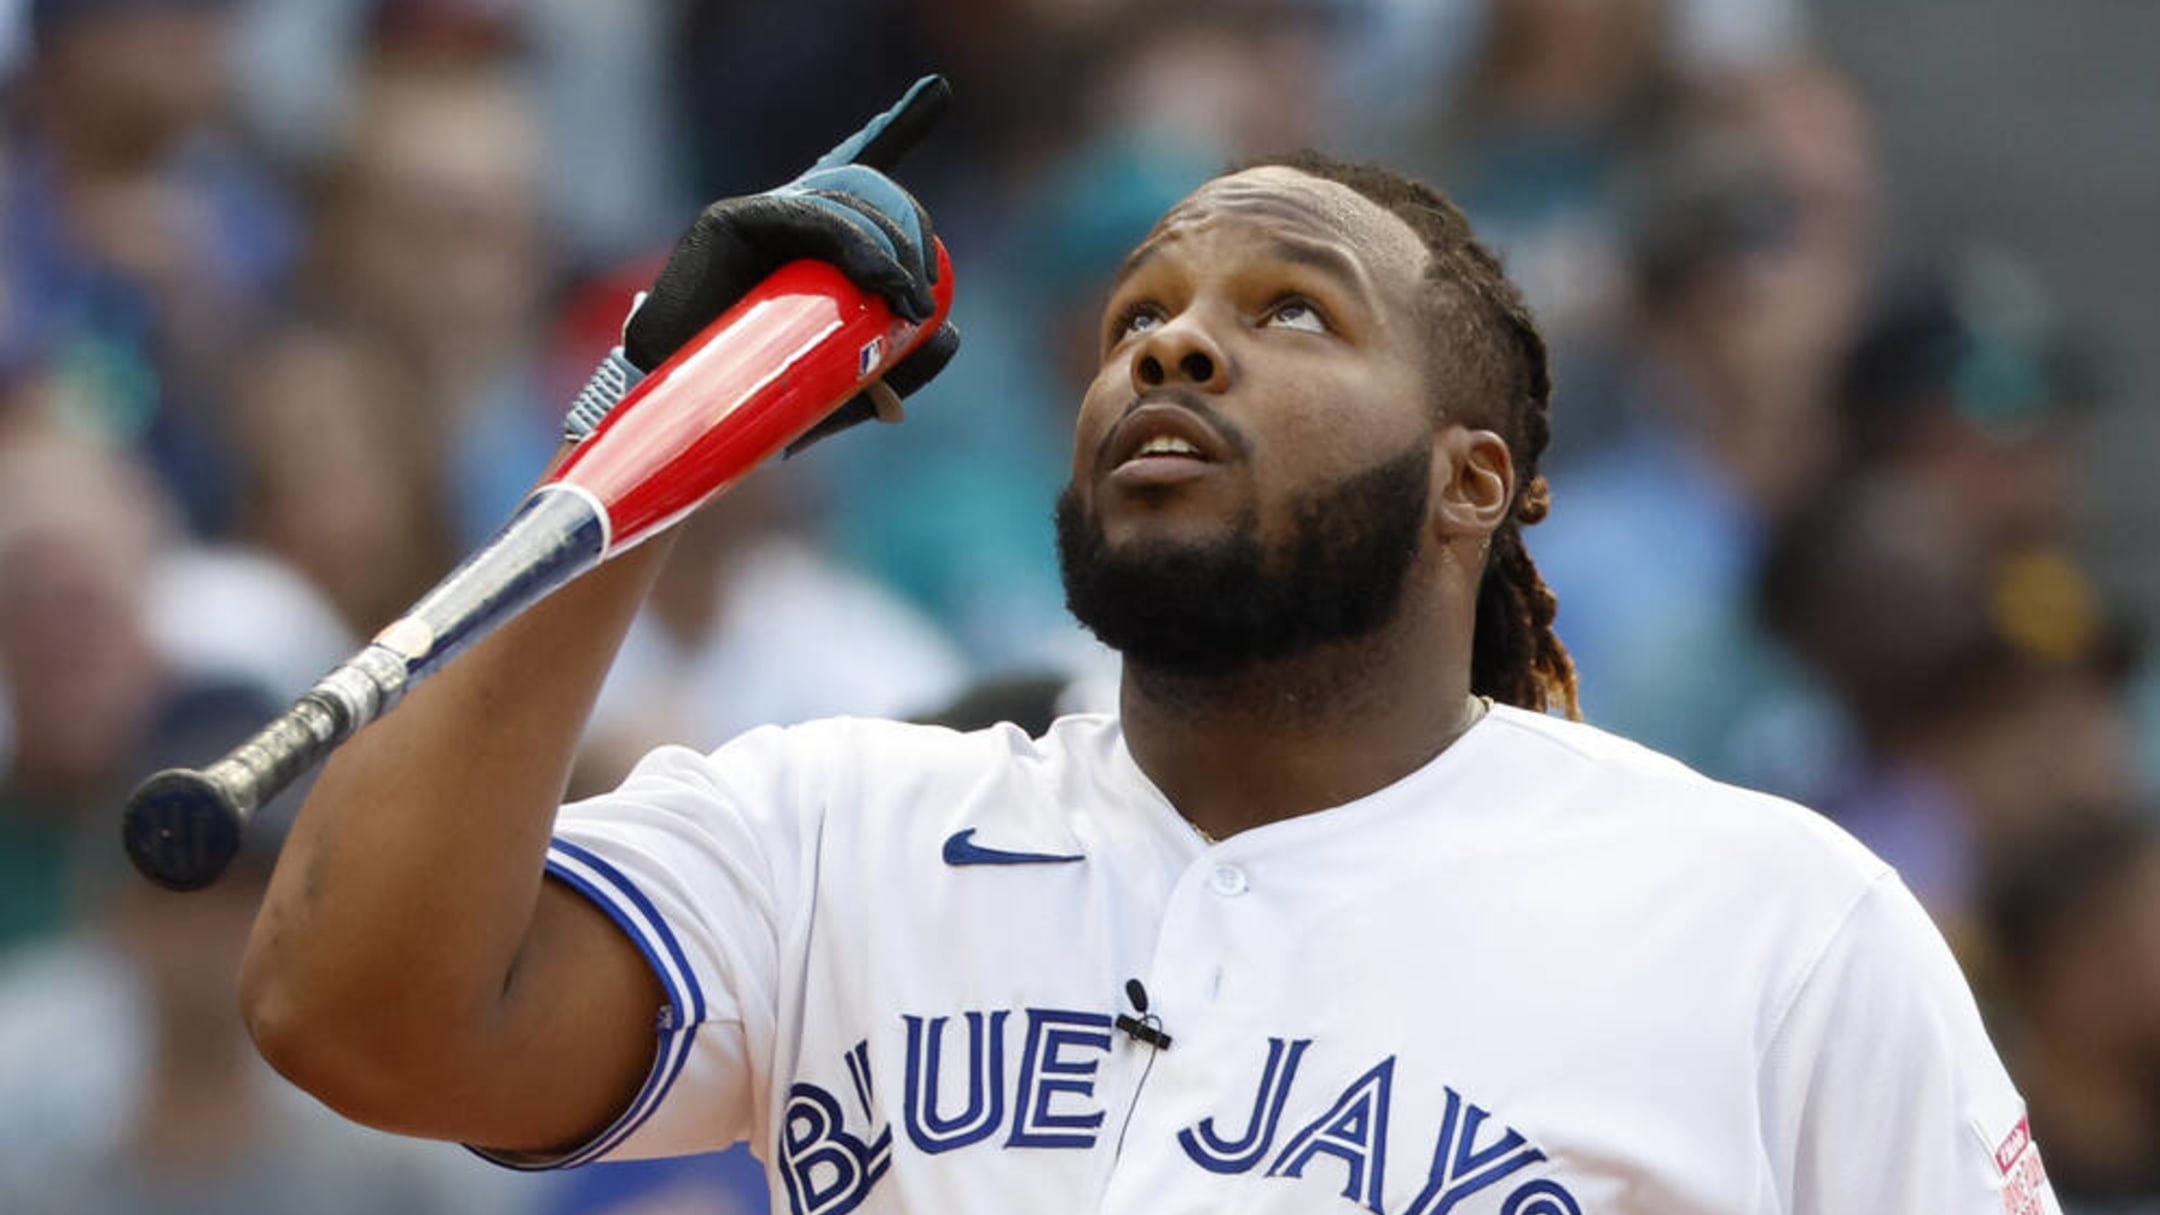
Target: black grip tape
<point>182,827</point>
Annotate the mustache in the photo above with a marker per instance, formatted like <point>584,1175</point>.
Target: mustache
<point>1185,399</point>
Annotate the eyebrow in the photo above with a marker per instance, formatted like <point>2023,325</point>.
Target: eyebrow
<point>1139,257</point>
<point>1325,258</point>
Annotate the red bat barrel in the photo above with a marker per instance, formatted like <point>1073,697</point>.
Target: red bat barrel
<point>770,369</point>
<point>802,344</point>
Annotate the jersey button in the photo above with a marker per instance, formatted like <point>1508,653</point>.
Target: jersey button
<point>1227,881</point>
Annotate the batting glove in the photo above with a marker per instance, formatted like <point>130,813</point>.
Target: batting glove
<point>844,211</point>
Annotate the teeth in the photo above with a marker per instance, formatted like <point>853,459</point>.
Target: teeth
<point>1167,445</point>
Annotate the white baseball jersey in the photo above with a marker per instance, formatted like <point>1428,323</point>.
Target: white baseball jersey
<point>1549,973</point>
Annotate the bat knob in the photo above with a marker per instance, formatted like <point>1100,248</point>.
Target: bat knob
<point>181,829</point>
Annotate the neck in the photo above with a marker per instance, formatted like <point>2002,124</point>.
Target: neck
<point>1278,739</point>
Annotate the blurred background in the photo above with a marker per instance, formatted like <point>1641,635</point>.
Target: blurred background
<point>1852,303</point>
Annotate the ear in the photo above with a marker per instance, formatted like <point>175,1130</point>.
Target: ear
<point>1473,482</point>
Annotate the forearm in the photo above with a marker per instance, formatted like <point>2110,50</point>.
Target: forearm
<point>410,964</point>
<point>406,893</point>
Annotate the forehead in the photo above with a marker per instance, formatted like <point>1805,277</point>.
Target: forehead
<point>1292,203</point>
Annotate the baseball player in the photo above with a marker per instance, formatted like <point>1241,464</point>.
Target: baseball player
<point>1331,915</point>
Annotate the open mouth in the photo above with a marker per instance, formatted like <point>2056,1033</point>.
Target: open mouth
<point>1163,439</point>
<point>1169,447</point>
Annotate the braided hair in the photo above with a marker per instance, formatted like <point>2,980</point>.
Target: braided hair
<point>1497,378</point>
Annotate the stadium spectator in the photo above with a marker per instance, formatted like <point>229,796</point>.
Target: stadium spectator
<point>132,1089</point>
<point>1751,248</point>
<point>1967,380</point>
<point>2073,911</point>
<point>339,475</point>
<point>1977,663</point>
<point>78,532</point>
<point>1985,692</point>
<point>428,242</point>
<point>141,232</point>
<point>112,633</point>
<point>1558,101</point>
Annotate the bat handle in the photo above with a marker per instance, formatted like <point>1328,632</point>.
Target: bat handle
<point>182,826</point>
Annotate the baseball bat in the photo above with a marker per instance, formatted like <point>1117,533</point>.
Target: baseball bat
<point>803,343</point>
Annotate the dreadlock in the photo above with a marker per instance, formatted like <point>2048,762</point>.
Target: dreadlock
<point>1498,379</point>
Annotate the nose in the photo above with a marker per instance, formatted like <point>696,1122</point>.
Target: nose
<point>1180,352</point>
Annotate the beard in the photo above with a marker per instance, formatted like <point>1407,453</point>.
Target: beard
<point>1217,607</point>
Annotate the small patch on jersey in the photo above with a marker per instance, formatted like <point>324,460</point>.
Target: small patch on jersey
<point>2025,1188</point>
<point>2017,1158</point>
<point>961,849</point>
<point>873,353</point>
<point>2013,1146</point>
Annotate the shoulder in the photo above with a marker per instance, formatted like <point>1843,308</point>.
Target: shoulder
<point>1610,785</point>
<point>883,742</point>
<point>855,759</point>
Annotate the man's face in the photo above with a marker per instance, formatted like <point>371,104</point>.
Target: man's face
<point>1252,461</point>
<point>138,77</point>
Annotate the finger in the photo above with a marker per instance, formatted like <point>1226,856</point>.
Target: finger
<point>903,246</point>
<point>923,364</point>
<point>857,411</point>
<point>881,260</point>
<point>916,115</point>
<point>881,400</point>
<point>885,403</point>
<point>706,271</point>
<point>866,246</point>
<point>870,191</point>
<point>925,243</point>
<point>829,207</point>
<point>886,138</point>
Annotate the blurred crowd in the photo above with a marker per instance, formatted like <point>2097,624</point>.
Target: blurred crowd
<point>293,294</point>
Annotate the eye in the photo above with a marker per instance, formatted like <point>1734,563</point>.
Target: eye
<point>1134,319</point>
<point>1296,314</point>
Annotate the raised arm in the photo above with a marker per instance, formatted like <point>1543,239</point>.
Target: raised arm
<point>410,965</point>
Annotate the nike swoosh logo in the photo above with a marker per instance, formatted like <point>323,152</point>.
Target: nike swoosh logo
<point>961,849</point>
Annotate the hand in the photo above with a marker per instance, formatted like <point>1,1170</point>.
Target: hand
<point>844,211</point>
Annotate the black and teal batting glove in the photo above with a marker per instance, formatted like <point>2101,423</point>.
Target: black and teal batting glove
<point>844,211</point>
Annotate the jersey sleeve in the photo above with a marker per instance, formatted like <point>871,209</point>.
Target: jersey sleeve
<point>699,859</point>
<point>1881,1089</point>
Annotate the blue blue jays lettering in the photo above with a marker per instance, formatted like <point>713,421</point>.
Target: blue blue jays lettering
<point>1030,1082</point>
